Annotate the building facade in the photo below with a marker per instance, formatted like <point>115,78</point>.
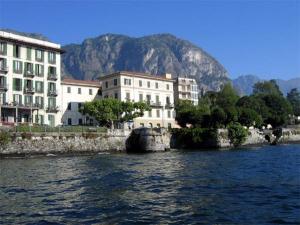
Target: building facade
<point>155,90</point>
<point>74,94</point>
<point>29,80</point>
<point>186,89</point>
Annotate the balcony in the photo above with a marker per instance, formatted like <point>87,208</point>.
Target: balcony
<point>155,104</point>
<point>169,105</point>
<point>29,73</point>
<point>39,105</point>
<point>52,76</point>
<point>29,90</point>
<point>3,87</point>
<point>3,69</point>
<point>52,109</point>
<point>52,93</point>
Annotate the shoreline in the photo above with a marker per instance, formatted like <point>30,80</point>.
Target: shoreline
<point>49,154</point>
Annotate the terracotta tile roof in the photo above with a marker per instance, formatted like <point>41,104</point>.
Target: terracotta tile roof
<point>81,82</point>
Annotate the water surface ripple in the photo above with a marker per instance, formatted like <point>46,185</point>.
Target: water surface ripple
<point>251,186</point>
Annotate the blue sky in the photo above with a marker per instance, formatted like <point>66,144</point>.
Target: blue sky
<point>247,37</point>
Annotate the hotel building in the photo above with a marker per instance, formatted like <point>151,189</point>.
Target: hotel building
<point>29,80</point>
<point>74,94</point>
<point>155,90</point>
<point>186,89</point>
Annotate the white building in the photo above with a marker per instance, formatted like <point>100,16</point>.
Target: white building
<point>186,89</point>
<point>29,80</point>
<point>156,90</point>
<point>74,94</point>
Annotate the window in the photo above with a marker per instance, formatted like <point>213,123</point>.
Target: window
<point>29,68</point>
<point>148,97</point>
<point>169,125</point>
<point>116,95</point>
<point>17,51</point>
<point>52,57</point>
<point>157,113</point>
<point>106,84</point>
<point>28,85</point>
<point>69,106</point>
<point>18,66</point>
<point>127,81</point>
<point>3,63</point>
<point>115,82</point>
<point>140,97</point>
<point>157,98</point>
<point>79,91</point>
<point>17,99</point>
<point>156,85</point>
<point>3,48</point>
<point>69,121</point>
<point>127,96</point>
<point>168,87</point>
<point>169,114</point>
<point>140,83</point>
<point>28,54</point>
<point>79,106</point>
<point>28,100</point>
<point>39,55</point>
<point>150,113</point>
<point>52,71</point>
<point>39,119</point>
<point>90,91</point>
<point>39,86</point>
<point>39,101</point>
<point>39,70</point>
<point>51,102</point>
<point>17,84</point>
<point>51,120</point>
<point>51,87</point>
<point>80,121</point>
<point>69,89</point>
<point>148,84</point>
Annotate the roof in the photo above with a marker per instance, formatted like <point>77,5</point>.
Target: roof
<point>87,83</point>
<point>29,41</point>
<point>137,74</point>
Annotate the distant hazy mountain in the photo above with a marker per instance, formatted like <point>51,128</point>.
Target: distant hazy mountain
<point>154,54</point>
<point>244,84</point>
<point>32,35</point>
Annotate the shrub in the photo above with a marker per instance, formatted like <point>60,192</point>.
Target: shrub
<point>4,138</point>
<point>237,134</point>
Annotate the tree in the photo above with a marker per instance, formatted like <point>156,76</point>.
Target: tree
<point>294,98</point>
<point>108,110</point>
<point>237,134</point>
<point>218,117</point>
<point>266,87</point>
<point>227,97</point>
<point>249,117</point>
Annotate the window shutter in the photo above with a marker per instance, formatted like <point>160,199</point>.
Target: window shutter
<point>21,85</point>
<point>15,51</point>
<point>14,84</point>
<point>42,71</point>
<point>42,101</point>
<point>20,99</point>
<point>42,86</point>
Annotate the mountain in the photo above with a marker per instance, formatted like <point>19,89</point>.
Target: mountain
<point>154,54</point>
<point>32,35</point>
<point>244,84</point>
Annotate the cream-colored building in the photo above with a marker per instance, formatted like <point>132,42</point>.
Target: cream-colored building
<point>156,90</point>
<point>74,94</point>
<point>29,80</point>
<point>186,89</point>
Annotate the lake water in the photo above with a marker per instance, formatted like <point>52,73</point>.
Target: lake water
<point>258,185</point>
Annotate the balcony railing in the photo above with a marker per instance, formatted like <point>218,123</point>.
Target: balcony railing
<point>155,104</point>
<point>3,69</point>
<point>169,105</point>
<point>52,93</point>
<point>3,87</point>
<point>39,105</point>
<point>52,109</point>
<point>52,76</point>
<point>29,73</point>
<point>29,90</point>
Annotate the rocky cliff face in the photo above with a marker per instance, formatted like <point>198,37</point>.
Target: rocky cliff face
<point>155,54</point>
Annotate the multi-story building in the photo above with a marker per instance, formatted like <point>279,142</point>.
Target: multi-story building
<point>74,94</point>
<point>155,90</point>
<point>186,89</point>
<point>29,80</point>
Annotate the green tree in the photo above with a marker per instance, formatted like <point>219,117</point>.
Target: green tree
<point>294,98</point>
<point>218,117</point>
<point>266,88</point>
<point>248,117</point>
<point>237,134</point>
<point>227,97</point>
